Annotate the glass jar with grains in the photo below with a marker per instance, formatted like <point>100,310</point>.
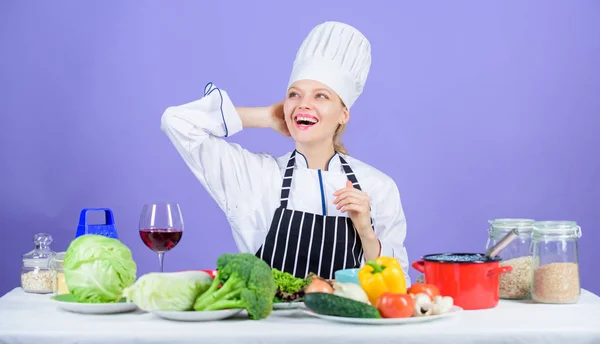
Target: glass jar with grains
<point>36,273</point>
<point>555,262</point>
<point>517,254</point>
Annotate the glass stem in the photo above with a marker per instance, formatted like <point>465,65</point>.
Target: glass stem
<point>161,256</point>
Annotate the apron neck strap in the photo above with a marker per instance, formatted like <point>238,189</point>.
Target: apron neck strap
<point>286,185</point>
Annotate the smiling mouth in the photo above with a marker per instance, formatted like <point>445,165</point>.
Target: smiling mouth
<point>305,121</point>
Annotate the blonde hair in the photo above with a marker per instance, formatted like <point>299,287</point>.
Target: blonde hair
<point>338,146</point>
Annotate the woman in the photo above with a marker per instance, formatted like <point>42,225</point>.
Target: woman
<point>315,209</point>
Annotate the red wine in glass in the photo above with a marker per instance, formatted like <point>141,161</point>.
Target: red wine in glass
<point>161,228</point>
<point>161,239</point>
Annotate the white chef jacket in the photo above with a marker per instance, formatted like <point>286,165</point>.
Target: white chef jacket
<point>247,185</point>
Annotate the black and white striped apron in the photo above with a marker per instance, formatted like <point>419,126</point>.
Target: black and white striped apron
<point>300,242</point>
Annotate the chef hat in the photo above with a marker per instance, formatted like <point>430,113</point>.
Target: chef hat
<point>337,55</point>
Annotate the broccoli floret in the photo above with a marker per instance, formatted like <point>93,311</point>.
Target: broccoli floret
<point>245,282</point>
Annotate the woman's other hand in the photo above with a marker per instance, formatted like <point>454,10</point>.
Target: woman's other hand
<point>264,117</point>
<point>358,205</point>
<point>277,119</point>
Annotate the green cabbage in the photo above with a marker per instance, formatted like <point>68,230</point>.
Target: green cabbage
<point>168,291</point>
<point>98,268</point>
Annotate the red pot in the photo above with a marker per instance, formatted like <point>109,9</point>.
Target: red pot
<point>471,279</point>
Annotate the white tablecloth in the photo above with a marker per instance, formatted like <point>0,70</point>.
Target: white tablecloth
<point>26,318</point>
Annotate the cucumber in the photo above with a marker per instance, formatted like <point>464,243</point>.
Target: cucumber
<point>334,305</point>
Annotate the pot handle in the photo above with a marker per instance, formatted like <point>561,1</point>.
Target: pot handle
<point>499,271</point>
<point>419,265</point>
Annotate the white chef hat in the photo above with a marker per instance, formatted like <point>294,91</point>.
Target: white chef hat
<point>336,54</point>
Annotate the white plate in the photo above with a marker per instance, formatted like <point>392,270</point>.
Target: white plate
<point>67,302</point>
<point>389,321</point>
<point>197,316</point>
<point>288,305</point>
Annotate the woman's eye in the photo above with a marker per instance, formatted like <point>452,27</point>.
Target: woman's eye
<point>292,94</point>
<point>322,95</point>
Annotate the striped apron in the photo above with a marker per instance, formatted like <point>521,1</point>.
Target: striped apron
<point>300,242</point>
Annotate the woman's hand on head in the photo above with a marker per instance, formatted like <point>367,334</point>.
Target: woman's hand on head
<point>264,117</point>
<point>277,119</point>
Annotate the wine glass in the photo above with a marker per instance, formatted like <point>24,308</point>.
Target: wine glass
<point>161,227</point>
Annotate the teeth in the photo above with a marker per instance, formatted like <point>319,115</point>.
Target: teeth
<point>307,119</point>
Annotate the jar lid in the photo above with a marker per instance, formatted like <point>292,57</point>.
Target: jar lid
<point>37,263</point>
<point>42,239</point>
<point>557,228</point>
<point>509,224</point>
<point>41,255</point>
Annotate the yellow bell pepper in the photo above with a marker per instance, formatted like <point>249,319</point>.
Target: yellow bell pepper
<point>382,275</point>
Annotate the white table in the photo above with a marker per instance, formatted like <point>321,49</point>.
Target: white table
<point>26,318</point>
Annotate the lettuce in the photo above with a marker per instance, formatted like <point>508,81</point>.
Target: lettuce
<point>98,268</point>
<point>289,288</point>
<point>168,291</point>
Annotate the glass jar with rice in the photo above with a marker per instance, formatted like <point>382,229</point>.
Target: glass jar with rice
<point>36,272</point>
<point>555,277</point>
<point>516,284</point>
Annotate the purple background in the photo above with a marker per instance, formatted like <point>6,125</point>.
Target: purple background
<point>478,110</point>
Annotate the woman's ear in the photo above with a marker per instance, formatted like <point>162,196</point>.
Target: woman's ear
<point>345,116</point>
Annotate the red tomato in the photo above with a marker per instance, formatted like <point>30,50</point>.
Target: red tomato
<point>428,289</point>
<point>392,305</point>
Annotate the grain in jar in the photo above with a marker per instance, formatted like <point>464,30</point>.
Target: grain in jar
<point>517,283</point>
<point>556,283</point>
<point>517,254</point>
<point>556,276</point>
<point>39,281</point>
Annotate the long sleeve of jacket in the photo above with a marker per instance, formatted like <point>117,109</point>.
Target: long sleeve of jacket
<point>227,171</point>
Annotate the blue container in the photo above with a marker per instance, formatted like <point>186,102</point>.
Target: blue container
<point>108,229</point>
<point>347,276</point>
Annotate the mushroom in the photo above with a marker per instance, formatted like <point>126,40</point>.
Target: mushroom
<point>423,305</point>
<point>442,304</point>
